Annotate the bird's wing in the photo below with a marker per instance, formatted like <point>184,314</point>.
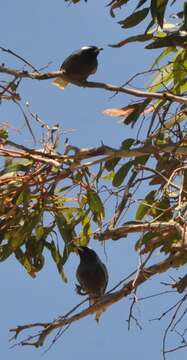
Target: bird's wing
<point>104,269</point>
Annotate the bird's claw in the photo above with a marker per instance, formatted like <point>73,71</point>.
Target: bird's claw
<point>79,290</point>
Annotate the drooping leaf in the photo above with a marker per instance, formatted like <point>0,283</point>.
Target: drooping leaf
<point>109,176</point>
<point>116,4</point>
<point>139,38</point>
<point>169,41</point>
<point>158,8</point>
<point>145,205</point>
<point>5,251</point>
<point>65,228</point>
<point>180,70</point>
<point>121,174</point>
<point>111,164</point>
<point>174,120</point>
<point>184,26</point>
<point>163,54</point>
<point>86,231</point>
<point>58,259</point>
<point>25,262</point>
<point>146,241</point>
<point>141,160</point>
<point>164,76</point>
<point>162,209</point>
<point>135,18</point>
<point>95,203</point>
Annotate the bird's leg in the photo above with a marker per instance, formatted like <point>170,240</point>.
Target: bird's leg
<point>79,290</point>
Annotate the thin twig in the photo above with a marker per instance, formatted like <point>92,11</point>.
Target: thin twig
<point>19,57</point>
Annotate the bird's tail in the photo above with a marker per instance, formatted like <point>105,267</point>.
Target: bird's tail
<point>98,312</point>
<point>60,82</point>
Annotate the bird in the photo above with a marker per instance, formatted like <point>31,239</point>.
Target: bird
<point>92,276</point>
<point>78,66</point>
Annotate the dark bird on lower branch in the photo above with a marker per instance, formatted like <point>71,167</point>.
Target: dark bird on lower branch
<point>92,276</point>
<point>78,66</point>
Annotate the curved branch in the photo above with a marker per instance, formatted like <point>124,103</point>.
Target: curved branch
<point>135,92</point>
<point>134,227</point>
<point>104,302</point>
<point>98,85</point>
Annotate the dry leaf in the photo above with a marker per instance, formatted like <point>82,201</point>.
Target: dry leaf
<point>120,112</point>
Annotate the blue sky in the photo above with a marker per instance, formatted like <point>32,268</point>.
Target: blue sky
<point>43,32</point>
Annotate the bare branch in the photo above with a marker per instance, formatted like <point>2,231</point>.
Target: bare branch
<point>98,85</point>
<point>104,302</point>
<point>133,227</point>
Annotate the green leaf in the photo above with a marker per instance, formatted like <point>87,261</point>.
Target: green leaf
<point>116,4</point>
<point>109,176</point>
<point>184,26</point>
<point>95,203</point>
<point>162,209</point>
<point>174,120</point>
<point>5,251</point>
<point>21,165</point>
<point>163,54</point>
<point>180,70</point>
<point>27,264</point>
<point>86,231</point>
<point>17,238</point>
<point>168,41</point>
<point>121,174</point>
<point>25,261</point>
<point>146,241</point>
<point>135,18</point>
<point>140,38</point>
<point>145,205</point>
<point>39,231</point>
<point>3,133</point>
<point>110,164</point>
<point>65,228</point>
<point>141,160</point>
<point>39,262</point>
<point>165,76</point>
<point>158,8</point>
<point>58,259</point>
<point>73,1</point>
<point>127,143</point>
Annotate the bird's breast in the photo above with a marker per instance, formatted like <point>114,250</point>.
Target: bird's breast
<point>92,278</point>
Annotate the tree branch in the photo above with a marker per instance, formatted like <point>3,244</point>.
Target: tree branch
<point>98,85</point>
<point>119,232</point>
<point>104,302</point>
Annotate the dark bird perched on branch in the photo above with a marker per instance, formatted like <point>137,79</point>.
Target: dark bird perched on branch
<point>92,276</point>
<point>78,66</point>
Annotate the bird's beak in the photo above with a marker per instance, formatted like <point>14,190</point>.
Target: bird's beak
<point>97,51</point>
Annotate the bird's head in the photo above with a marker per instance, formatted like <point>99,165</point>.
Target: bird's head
<point>91,49</point>
<point>86,254</point>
